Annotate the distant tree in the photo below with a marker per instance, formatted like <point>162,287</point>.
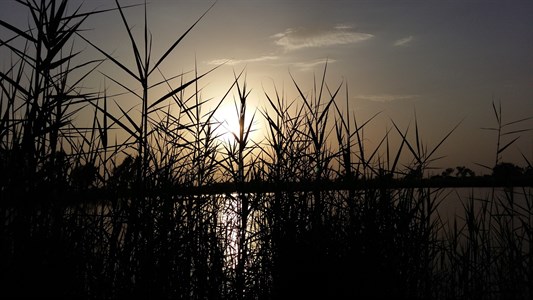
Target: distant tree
<point>463,172</point>
<point>123,176</point>
<point>447,173</point>
<point>528,171</point>
<point>83,177</point>
<point>414,173</point>
<point>503,170</point>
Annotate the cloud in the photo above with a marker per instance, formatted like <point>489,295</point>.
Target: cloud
<point>309,65</point>
<point>299,38</point>
<point>386,97</point>
<point>343,27</point>
<point>233,62</point>
<point>404,42</point>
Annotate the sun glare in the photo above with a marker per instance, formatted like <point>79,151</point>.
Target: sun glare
<point>227,122</point>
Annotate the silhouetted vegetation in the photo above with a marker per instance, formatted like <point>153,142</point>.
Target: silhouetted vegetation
<point>174,211</point>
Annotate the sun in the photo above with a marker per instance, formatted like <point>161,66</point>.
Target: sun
<point>227,122</point>
<point>227,126</point>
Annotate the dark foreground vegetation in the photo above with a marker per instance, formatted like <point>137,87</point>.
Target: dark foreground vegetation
<point>172,211</point>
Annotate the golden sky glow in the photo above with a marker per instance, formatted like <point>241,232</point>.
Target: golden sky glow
<point>448,60</point>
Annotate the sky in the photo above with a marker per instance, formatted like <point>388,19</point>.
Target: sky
<point>446,60</point>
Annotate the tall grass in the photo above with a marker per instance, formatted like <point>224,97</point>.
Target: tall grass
<point>175,211</point>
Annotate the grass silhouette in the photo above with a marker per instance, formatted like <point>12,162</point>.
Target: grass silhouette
<point>175,212</point>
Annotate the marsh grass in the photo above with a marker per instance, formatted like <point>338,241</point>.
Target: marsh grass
<point>168,212</point>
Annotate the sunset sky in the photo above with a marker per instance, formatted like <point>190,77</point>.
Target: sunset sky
<point>448,60</point>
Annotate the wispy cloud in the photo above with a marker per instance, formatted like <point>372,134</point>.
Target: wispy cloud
<point>233,62</point>
<point>404,42</point>
<point>299,38</point>
<point>309,65</point>
<point>387,97</point>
